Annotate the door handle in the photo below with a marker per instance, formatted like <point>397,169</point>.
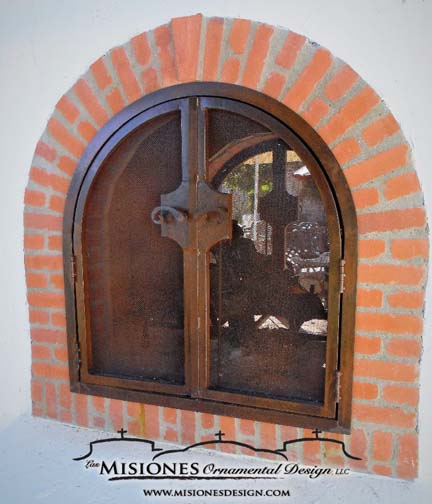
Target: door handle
<point>165,214</point>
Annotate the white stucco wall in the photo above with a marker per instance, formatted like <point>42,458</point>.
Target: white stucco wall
<point>46,44</point>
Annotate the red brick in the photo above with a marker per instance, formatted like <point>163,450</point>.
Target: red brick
<point>395,417</point>
<point>116,413</point>
<point>247,427</point>
<point>99,422</point>
<point>406,299</point>
<point>391,220</point>
<point>43,178</point>
<point>52,371</point>
<point>65,416</point>
<point>40,352</point>
<point>134,428</point>
<point>407,456</point>
<point>66,139</point>
<point>101,74</point>
<point>288,54</point>
<point>399,394</point>
<point>151,415</point>
<point>230,70</point>
<point>115,100</point>
<point>367,344</point>
<point>385,370</point>
<point>170,415</point>
<point>171,435</point>
<point>308,79</point>
<point>390,323</point>
<point>340,83</point>
<point>267,435</point>
<point>188,425</point>
<point>34,198</point>
<point>311,449</point>
<point>186,32</point>
<point>382,445</point>
<point>46,151</point>
<point>36,280</point>
<point>69,111</point>
<point>364,198</point>
<point>98,404</point>
<point>141,49</point>
<point>227,426</point>
<point>86,130</point>
<point>410,248</point>
<point>274,85</point>
<point>207,420</point>
<point>404,348</point>
<point>50,262</point>
<point>46,300</point>
<point>391,274</point>
<point>57,281</point>
<point>34,241</point>
<point>401,185</point>
<point>369,298</point>
<point>38,317</point>
<point>149,80</point>
<point>37,410</point>
<point>42,221</point>
<point>51,400</point>
<point>58,319</point>
<point>376,166</point>
<point>379,130</point>
<point>57,203</point>
<point>67,165</point>
<point>61,354</point>
<point>90,102</point>
<point>316,110</point>
<point>356,108</point>
<point>212,48</point>
<point>163,41</point>
<point>239,35</point>
<point>382,470</point>
<point>365,390</point>
<point>125,74</point>
<point>370,248</point>
<point>36,391</point>
<point>65,396</point>
<point>55,242</point>
<point>257,56</point>
<point>81,409</point>
<point>48,335</point>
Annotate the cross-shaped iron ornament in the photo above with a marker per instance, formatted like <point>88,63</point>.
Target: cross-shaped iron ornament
<point>122,432</point>
<point>317,432</point>
<point>194,215</point>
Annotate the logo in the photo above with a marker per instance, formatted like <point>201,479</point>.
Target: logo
<point>151,461</point>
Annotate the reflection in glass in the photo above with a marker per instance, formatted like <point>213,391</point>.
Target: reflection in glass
<point>269,283</point>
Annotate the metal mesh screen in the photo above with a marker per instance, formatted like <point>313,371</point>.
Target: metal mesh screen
<point>135,276</point>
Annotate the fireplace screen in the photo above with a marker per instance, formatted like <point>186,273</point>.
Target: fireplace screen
<point>207,249</point>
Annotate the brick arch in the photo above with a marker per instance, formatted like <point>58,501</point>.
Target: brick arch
<point>376,161</point>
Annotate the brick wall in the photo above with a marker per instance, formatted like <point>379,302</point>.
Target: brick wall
<point>393,246</point>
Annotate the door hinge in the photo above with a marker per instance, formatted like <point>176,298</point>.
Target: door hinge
<point>73,268</point>
<point>78,353</point>
<point>338,386</point>
<point>342,276</point>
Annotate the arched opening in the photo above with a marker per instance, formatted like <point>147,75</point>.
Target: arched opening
<point>181,294</point>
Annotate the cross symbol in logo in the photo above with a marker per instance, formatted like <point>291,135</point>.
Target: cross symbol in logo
<point>219,435</point>
<point>122,432</point>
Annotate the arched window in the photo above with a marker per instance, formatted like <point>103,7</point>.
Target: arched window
<point>212,240</point>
